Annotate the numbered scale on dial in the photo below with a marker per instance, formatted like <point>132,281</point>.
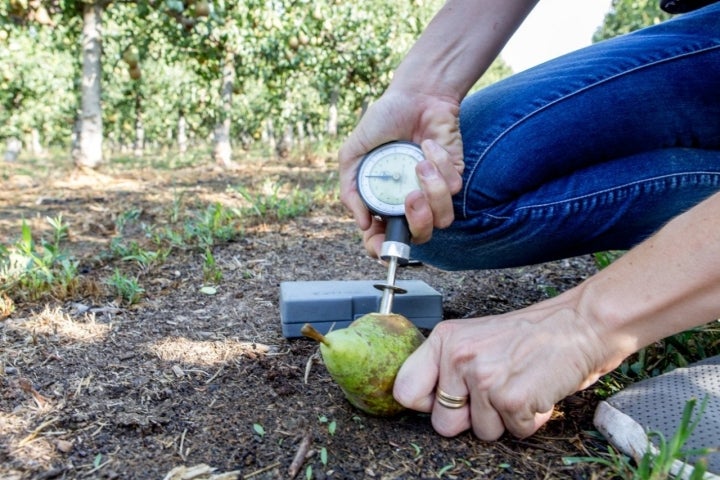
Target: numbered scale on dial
<point>387,175</point>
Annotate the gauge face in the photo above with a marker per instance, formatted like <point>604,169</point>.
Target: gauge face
<point>387,175</point>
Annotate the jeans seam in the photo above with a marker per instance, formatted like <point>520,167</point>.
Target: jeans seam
<point>600,192</point>
<point>564,97</point>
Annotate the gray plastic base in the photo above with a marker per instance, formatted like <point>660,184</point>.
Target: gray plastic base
<point>335,304</point>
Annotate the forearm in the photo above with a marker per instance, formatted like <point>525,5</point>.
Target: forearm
<point>459,44</point>
<point>667,284</point>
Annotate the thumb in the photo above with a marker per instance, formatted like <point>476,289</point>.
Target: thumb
<point>415,382</point>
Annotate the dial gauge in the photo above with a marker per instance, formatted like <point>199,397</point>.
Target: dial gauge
<point>387,175</point>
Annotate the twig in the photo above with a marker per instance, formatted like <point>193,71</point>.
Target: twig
<point>308,365</point>
<point>40,400</point>
<point>98,467</point>
<point>36,432</point>
<point>182,442</point>
<point>84,382</point>
<point>215,376</point>
<point>262,470</point>
<point>300,455</point>
<point>99,429</point>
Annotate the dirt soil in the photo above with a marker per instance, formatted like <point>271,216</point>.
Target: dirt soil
<point>91,387</point>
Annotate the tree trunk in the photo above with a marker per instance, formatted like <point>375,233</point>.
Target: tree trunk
<point>13,147</point>
<point>286,142</point>
<point>182,138</point>
<point>139,145</point>
<point>300,129</point>
<point>222,150</point>
<point>33,141</point>
<point>89,151</point>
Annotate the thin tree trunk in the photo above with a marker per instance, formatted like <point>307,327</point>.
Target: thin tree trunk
<point>222,150</point>
<point>182,133</point>
<point>13,147</point>
<point>33,141</point>
<point>89,152</point>
<point>139,145</point>
<point>286,142</point>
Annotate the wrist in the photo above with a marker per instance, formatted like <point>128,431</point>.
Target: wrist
<point>611,321</point>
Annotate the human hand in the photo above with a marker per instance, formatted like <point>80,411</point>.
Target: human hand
<point>514,367</point>
<point>430,121</point>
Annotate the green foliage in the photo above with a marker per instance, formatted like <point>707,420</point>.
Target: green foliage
<point>331,424</point>
<point>676,351</point>
<point>626,16</point>
<point>656,463</point>
<point>211,271</point>
<point>273,202</point>
<point>30,98</point>
<point>277,200</point>
<point>216,223</point>
<point>29,269</point>
<point>126,288</point>
<point>604,259</point>
<point>288,62</point>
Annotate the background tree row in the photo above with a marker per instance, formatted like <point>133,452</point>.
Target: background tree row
<point>97,77</point>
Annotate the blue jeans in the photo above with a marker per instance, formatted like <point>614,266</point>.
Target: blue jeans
<point>592,151</point>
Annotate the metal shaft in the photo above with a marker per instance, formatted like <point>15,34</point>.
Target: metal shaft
<point>389,289</point>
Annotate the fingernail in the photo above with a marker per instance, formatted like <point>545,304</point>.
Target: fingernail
<point>427,169</point>
<point>418,204</point>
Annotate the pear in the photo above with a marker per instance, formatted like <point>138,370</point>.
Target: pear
<point>364,358</point>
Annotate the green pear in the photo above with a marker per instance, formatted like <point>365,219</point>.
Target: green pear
<point>364,358</point>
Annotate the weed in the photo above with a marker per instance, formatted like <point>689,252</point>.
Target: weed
<point>132,251</point>
<point>60,229</point>
<point>603,259</point>
<point>32,270</point>
<point>452,466</point>
<point>275,200</point>
<point>126,288</point>
<point>214,224</point>
<point>211,272</point>
<point>661,357</point>
<point>259,429</point>
<point>416,449</point>
<point>176,207</point>
<point>331,424</point>
<point>125,217</point>
<point>323,456</point>
<point>657,462</point>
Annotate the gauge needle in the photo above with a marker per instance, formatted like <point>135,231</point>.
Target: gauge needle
<point>385,176</point>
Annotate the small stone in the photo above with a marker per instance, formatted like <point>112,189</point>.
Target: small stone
<point>64,446</point>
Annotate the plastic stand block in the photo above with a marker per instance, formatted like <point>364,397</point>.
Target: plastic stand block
<point>335,304</point>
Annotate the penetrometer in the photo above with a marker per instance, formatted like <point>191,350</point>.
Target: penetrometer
<point>385,177</point>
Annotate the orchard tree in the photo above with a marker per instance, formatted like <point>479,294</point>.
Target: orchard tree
<point>35,79</point>
<point>89,151</point>
<point>629,15</point>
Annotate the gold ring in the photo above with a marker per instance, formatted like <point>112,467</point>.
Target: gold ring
<point>450,401</point>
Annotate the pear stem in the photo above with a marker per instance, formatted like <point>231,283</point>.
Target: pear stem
<point>310,332</point>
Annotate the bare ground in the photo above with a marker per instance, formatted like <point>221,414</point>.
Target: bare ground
<point>93,388</point>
